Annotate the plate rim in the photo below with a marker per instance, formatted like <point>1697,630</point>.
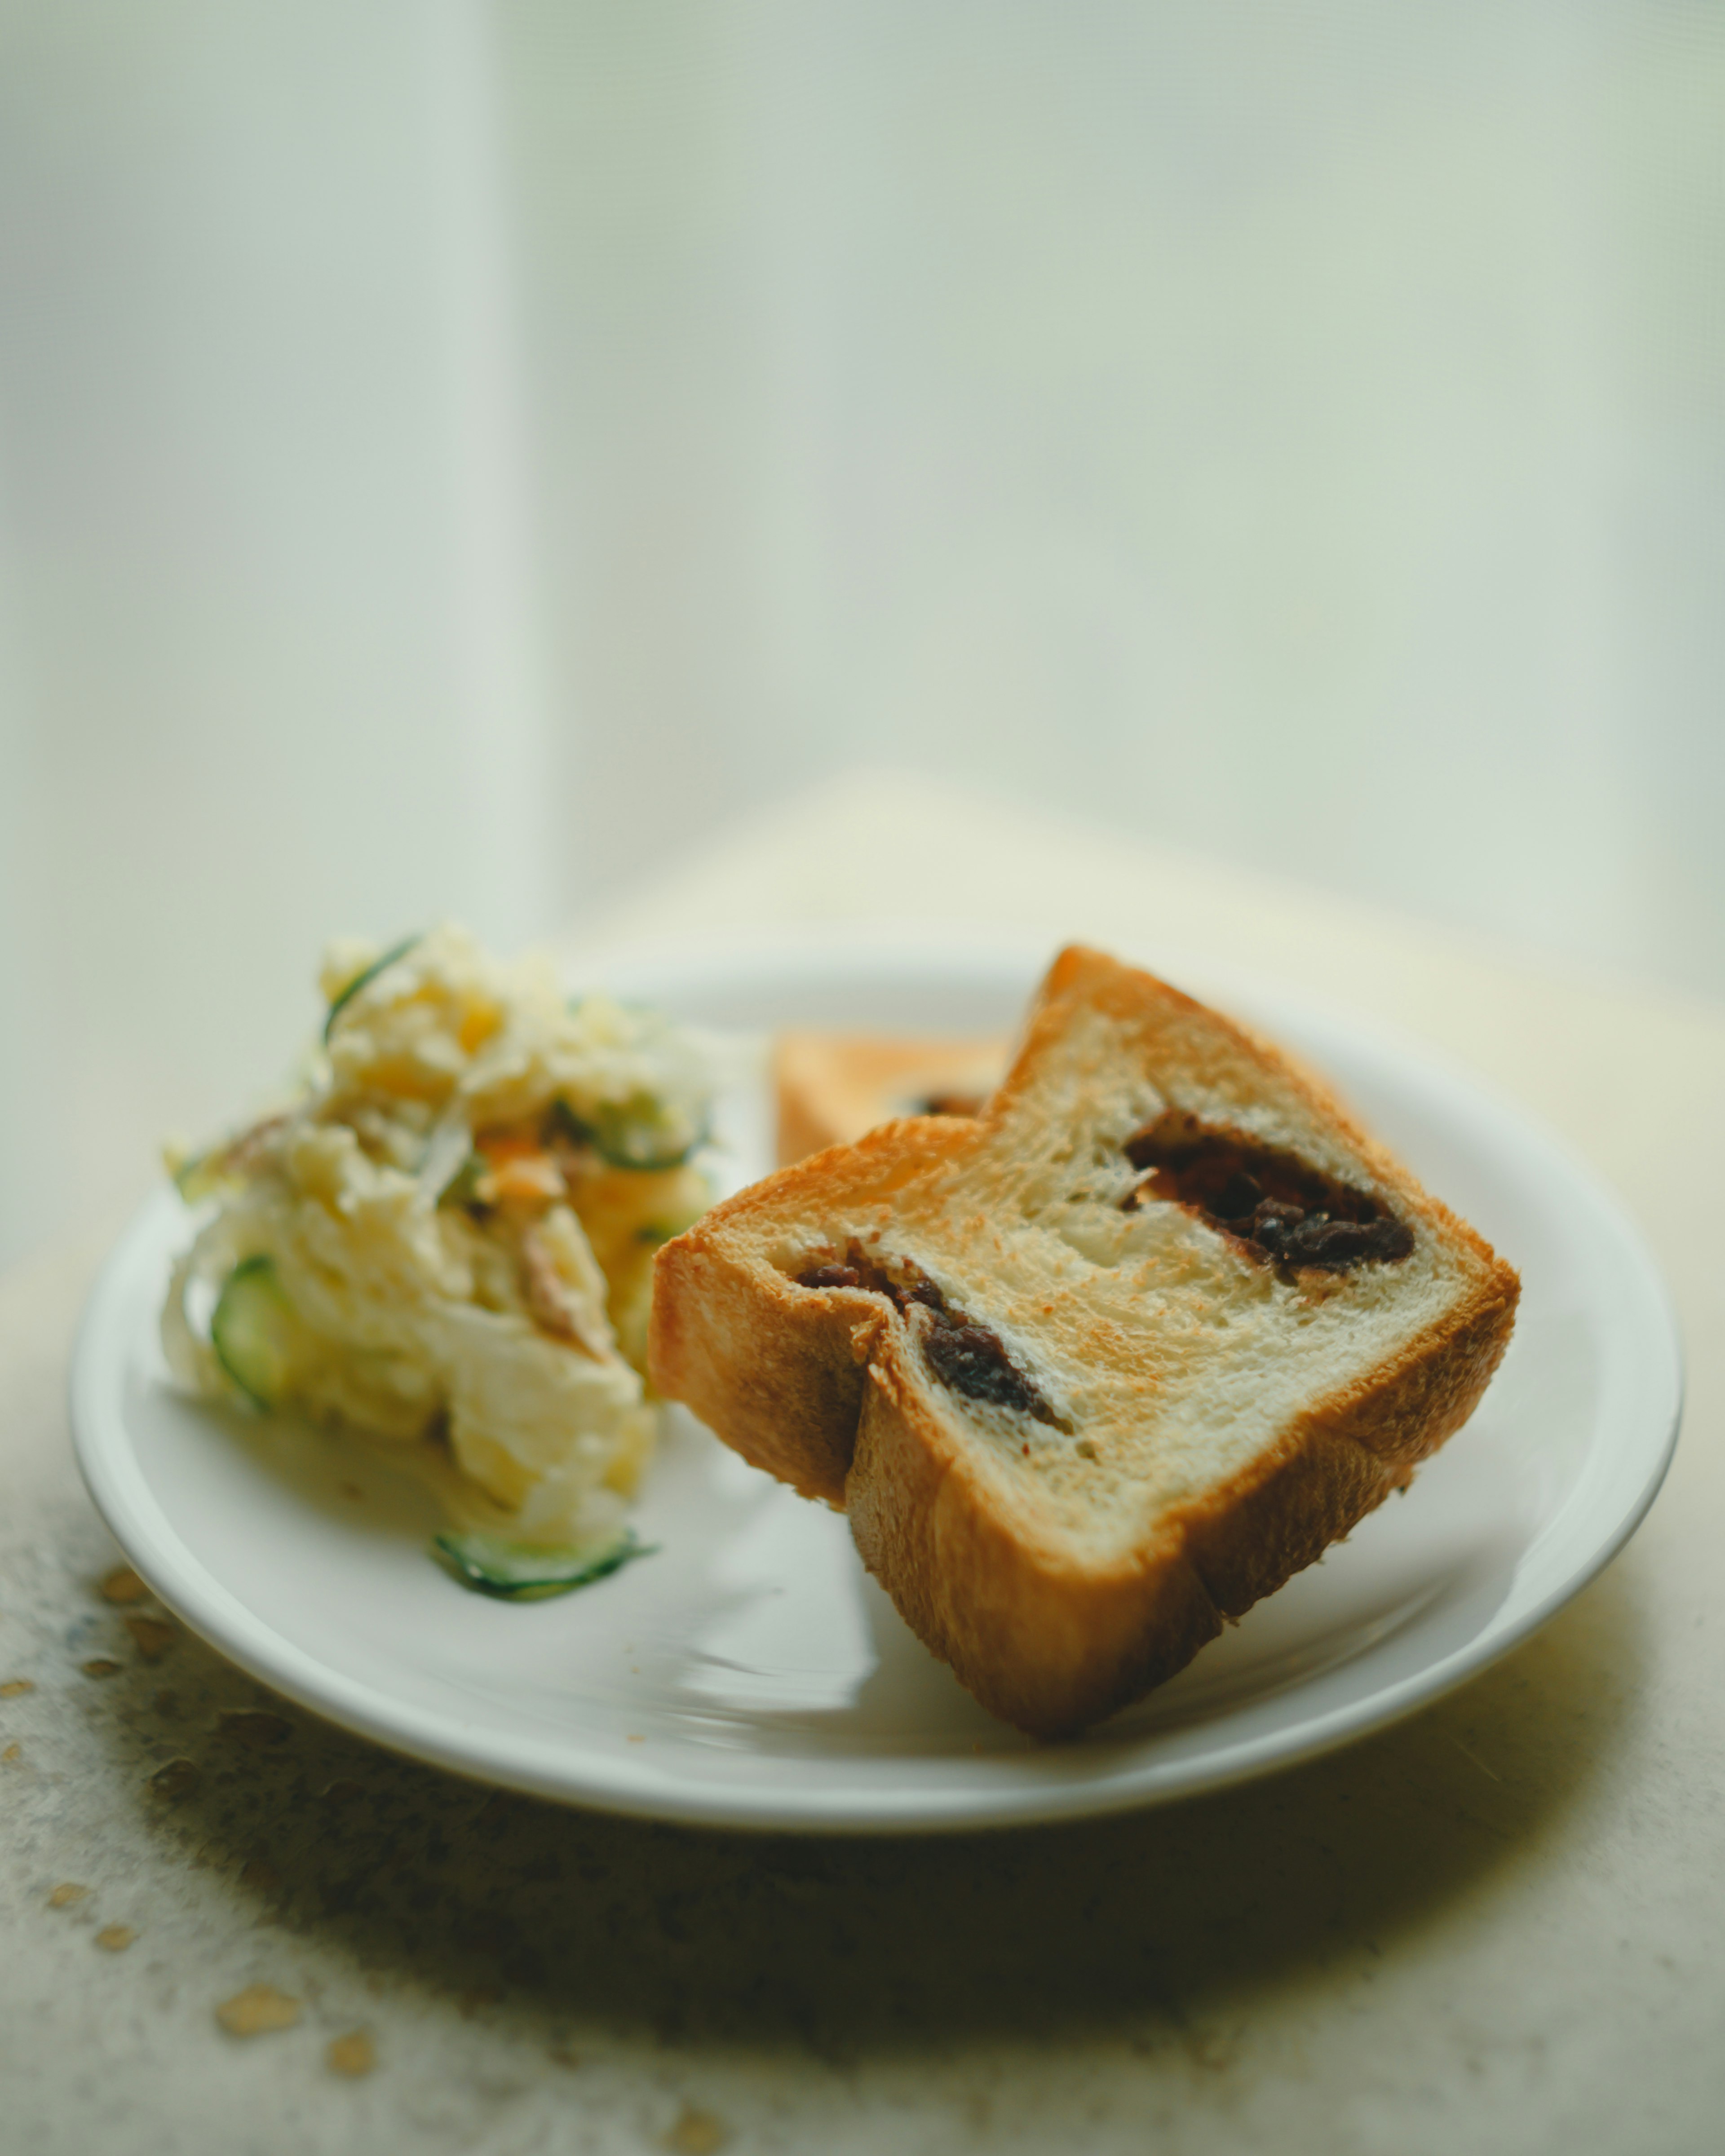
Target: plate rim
<point>582,1775</point>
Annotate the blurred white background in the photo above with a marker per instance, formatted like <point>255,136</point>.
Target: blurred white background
<point>452,457</point>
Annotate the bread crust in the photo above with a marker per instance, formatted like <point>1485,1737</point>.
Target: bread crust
<point>831,1088</point>
<point>1053,1647</point>
<point>1048,1646</point>
<point>777,1373</point>
<point>829,1391</point>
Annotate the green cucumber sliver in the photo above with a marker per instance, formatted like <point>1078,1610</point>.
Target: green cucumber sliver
<point>521,1571</point>
<point>252,1329</point>
<point>624,1141</point>
<point>192,1178</point>
<point>365,975</point>
<point>630,1140</point>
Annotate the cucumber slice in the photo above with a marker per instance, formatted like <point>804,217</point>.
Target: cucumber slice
<point>365,975</point>
<point>195,1178</point>
<point>641,1136</point>
<point>518,1572</point>
<point>649,1144</point>
<point>253,1331</point>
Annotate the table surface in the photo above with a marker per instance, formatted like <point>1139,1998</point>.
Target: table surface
<point>1493,1928</point>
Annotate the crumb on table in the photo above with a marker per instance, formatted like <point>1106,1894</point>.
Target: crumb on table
<point>152,1635</point>
<point>257,2010</point>
<point>697,2133</point>
<point>353,2054</point>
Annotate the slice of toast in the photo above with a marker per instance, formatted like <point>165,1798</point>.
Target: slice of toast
<point>1092,1371</point>
<point>832,1087</point>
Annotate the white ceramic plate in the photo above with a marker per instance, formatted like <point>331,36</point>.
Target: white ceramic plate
<point>751,1674</point>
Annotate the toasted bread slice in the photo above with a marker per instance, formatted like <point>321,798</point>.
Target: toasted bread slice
<point>832,1087</point>
<point>1095,1371</point>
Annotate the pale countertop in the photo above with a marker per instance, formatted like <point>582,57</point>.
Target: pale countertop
<point>1496,1926</point>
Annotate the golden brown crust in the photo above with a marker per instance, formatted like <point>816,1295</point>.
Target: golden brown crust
<point>1051,1647</point>
<point>1346,1454</point>
<point>827,1389</point>
<point>775,1371</point>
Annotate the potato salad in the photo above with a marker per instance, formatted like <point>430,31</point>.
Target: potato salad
<point>448,1234</point>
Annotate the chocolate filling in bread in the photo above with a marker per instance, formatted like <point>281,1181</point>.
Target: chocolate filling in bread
<point>1282,1210</point>
<point>968,1358</point>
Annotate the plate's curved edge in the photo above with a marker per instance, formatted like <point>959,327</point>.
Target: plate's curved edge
<point>134,1517</point>
<point>214,1614</point>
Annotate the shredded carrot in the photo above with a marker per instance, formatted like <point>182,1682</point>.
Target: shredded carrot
<point>508,1142</point>
<point>518,1169</point>
<point>481,1021</point>
<point>521,1179</point>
